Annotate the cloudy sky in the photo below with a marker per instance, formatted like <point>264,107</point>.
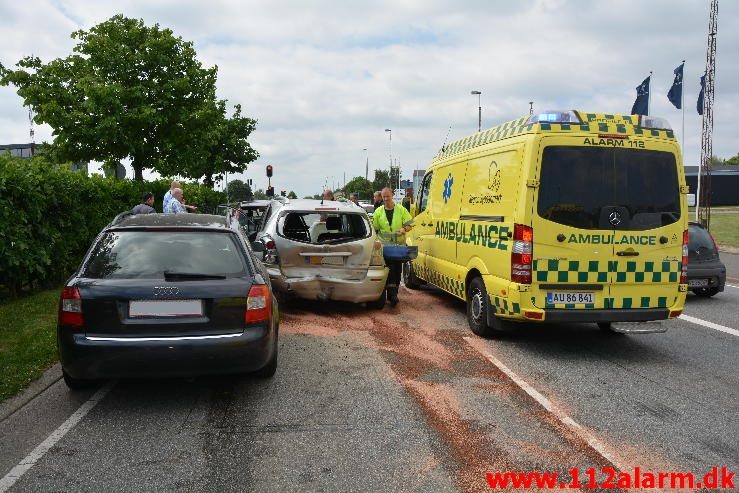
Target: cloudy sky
<point>325,79</point>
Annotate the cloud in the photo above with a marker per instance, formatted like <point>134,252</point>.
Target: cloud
<point>325,79</point>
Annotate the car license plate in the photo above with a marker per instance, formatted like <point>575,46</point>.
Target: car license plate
<point>328,260</point>
<point>165,308</point>
<point>697,283</point>
<point>565,297</point>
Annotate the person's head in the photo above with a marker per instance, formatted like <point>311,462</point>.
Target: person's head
<point>175,184</point>
<point>387,197</point>
<point>328,195</point>
<point>177,193</point>
<point>354,197</point>
<point>377,197</point>
<point>148,199</point>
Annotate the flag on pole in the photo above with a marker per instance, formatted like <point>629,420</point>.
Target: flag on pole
<point>675,95</point>
<point>641,104</point>
<point>700,94</point>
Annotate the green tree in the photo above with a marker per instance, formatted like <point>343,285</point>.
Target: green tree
<point>733,161</point>
<point>238,190</point>
<point>130,91</point>
<point>362,186</point>
<point>260,195</point>
<point>382,179</point>
<point>292,195</point>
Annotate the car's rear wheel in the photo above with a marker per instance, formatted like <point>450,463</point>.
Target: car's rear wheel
<point>75,383</point>
<point>268,370</point>
<point>706,292</point>
<point>378,304</point>
<point>409,277</point>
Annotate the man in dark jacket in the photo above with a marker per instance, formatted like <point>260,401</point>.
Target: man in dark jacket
<point>145,207</point>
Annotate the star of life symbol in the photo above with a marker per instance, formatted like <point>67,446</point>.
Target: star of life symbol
<point>447,188</point>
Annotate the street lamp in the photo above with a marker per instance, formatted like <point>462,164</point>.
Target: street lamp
<point>390,132</point>
<point>366,165</point>
<point>479,109</point>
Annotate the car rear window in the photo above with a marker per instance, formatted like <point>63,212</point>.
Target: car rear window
<point>151,254</point>
<point>323,228</point>
<point>699,238</point>
<point>580,185</point>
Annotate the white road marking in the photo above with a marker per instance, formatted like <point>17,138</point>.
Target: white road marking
<point>732,286</point>
<point>36,454</point>
<point>710,325</point>
<point>581,432</point>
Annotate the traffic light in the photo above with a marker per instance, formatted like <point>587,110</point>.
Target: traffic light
<point>269,171</point>
<point>283,193</point>
<point>270,190</point>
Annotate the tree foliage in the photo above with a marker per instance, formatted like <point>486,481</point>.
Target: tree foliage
<point>360,185</point>
<point>292,195</point>
<point>130,91</point>
<point>238,190</point>
<point>382,179</point>
<point>733,161</point>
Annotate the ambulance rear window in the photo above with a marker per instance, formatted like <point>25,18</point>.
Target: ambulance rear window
<point>580,185</point>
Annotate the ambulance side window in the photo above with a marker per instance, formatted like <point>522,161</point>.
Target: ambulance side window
<point>423,197</point>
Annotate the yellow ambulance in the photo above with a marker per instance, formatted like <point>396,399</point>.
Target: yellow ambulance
<point>561,216</point>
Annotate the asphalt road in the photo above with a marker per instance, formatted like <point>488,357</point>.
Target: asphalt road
<point>406,399</point>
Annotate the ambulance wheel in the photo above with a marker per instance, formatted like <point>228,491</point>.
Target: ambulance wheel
<point>409,277</point>
<point>477,308</point>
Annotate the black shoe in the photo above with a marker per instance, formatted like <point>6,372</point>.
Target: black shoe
<point>393,300</point>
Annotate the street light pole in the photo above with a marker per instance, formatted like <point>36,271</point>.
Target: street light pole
<point>390,132</point>
<point>366,165</point>
<point>479,109</point>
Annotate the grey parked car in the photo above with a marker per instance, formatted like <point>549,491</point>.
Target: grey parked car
<point>706,272</point>
<point>324,250</point>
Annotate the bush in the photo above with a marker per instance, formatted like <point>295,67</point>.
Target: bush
<point>50,215</point>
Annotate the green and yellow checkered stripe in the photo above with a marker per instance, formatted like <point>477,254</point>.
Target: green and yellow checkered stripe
<point>608,303</point>
<point>521,126</point>
<point>595,271</point>
<point>457,288</point>
<point>446,283</point>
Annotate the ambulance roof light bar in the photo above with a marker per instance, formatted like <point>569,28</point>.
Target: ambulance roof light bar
<point>656,122</point>
<point>555,116</point>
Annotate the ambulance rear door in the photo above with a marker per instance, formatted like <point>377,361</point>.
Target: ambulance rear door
<point>607,224</point>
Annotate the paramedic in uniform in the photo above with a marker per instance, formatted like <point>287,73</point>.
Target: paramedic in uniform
<point>389,220</point>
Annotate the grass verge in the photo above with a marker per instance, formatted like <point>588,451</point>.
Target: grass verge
<point>27,340</point>
<point>725,229</point>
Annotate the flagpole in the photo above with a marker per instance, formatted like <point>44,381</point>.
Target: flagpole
<point>649,92</point>
<point>682,103</point>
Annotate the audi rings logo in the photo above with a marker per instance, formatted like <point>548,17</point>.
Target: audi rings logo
<point>165,290</point>
<point>614,218</point>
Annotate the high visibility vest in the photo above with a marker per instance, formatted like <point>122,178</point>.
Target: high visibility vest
<point>386,232</point>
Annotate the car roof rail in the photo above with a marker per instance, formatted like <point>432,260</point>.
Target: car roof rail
<point>120,217</point>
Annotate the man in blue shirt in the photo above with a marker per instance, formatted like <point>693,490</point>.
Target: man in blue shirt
<point>174,206</point>
<point>168,195</point>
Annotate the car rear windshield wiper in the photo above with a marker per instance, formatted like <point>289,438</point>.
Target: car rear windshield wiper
<point>174,276</point>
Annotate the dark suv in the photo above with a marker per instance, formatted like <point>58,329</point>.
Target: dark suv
<point>167,295</point>
<point>706,272</point>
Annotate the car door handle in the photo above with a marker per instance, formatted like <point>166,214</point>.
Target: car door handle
<point>628,253</point>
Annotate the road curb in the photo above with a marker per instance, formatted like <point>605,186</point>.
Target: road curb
<point>13,404</point>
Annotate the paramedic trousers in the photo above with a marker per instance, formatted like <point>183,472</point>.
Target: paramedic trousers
<point>393,278</point>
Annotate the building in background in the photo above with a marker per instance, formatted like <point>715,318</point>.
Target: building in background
<point>724,183</point>
<point>32,149</point>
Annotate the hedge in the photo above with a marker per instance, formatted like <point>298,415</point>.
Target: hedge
<point>49,216</point>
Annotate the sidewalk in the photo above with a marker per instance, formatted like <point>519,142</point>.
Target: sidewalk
<point>731,261</point>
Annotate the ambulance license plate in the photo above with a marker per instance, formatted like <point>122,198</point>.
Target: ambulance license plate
<point>566,297</point>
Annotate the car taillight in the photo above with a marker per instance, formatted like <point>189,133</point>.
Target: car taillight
<point>258,304</point>
<point>522,253</point>
<point>70,308</point>
<point>377,258</point>
<point>270,251</point>
<point>684,271</point>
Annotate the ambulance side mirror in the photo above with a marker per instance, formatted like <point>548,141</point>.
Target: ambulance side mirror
<point>691,200</point>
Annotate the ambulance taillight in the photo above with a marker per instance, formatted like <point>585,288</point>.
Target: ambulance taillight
<point>522,254</point>
<point>684,271</point>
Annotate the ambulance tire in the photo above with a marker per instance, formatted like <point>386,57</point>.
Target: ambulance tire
<point>477,309</point>
<point>409,277</point>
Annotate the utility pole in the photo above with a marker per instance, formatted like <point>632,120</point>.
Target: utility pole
<point>703,208</point>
